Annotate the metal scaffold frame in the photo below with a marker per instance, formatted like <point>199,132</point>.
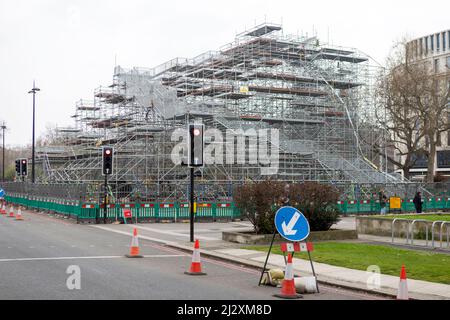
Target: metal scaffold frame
<point>313,93</point>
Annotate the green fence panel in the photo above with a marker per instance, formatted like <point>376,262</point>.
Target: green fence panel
<point>88,211</point>
<point>184,211</point>
<point>342,206</point>
<point>352,206</point>
<point>224,210</point>
<point>429,204</point>
<point>167,211</point>
<point>147,210</point>
<point>365,206</point>
<point>440,203</point>
<point>205,210</point>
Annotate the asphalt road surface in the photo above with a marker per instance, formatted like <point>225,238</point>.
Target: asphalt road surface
<point>35,256</point>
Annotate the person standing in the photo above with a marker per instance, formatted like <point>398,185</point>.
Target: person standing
<point>418,202</point>
<point>383,202</point>
<point>382,198</point>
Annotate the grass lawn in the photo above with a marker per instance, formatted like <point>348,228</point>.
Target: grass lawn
<point>419,265</point>
<point>430,217</point>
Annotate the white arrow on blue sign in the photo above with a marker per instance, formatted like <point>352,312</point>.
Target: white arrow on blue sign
<point>2,193</point>
<point>291,224</point>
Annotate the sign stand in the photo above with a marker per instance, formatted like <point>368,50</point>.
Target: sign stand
<point>285,262</point>
<point>264,270</point>
<point>292,225</point>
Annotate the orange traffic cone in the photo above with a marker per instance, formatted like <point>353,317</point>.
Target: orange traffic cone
<point>288,286</point>
<point>3,210</point>
<point>11,212</point>
<point>134,250</point>
<point>196,265</point>
<point>19,215</point>
<point>403,286</point>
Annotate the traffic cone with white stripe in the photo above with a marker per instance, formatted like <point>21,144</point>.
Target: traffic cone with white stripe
<point>134,249</point>
<point>3,210</point>
<point>288,285</point>
<point>11,212</point>
<point>196,265</point>
<point>19,215</point>
<point>403,286</point>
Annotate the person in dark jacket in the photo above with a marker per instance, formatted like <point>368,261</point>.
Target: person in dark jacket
<point>418,202</point>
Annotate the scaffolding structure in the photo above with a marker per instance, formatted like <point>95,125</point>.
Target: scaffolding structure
<point>313,93</point>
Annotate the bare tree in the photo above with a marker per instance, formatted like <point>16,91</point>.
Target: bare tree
<point>397,89</point>
<point>433,110</point>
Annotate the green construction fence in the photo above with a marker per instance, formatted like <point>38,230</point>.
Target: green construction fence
<point>152,211</point>
<point>178,211</point>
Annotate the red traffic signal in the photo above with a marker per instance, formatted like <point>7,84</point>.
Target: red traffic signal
<point>107,157</point>
<point>196,145</point>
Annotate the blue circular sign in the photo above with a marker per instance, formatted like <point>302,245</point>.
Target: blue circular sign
<point>291,224</point>
<point>2,193</point>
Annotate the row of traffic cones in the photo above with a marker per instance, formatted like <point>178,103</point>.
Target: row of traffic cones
<point>288,290</point>
<point>18,216</point>
<point>196,266</point>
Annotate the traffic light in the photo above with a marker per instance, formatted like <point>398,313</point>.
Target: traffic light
<point>18,166</point>
<point>24,167</point>
<point>107,160</point>
<point>196,145</point>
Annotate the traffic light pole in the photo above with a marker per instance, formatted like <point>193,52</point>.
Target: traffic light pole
<point>32,148</point>
<point>3,155</point>
<point>105,196</point>
<point>191,206</point>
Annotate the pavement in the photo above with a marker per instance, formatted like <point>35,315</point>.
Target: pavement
<point>38,257</point>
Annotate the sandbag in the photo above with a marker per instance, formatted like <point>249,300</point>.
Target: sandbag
<point>273,277</point>
<point>305,285</point>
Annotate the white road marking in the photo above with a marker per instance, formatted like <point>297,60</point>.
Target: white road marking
<point>172,233</point>
<point>89,257</point>
<point>129,235</point>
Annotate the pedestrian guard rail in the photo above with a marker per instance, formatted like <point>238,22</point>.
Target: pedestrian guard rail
<point>140,211</point>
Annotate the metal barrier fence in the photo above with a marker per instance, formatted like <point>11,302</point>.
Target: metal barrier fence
<point>140,212</point>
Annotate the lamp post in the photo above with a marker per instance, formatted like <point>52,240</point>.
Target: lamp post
<point>33,91</point>
<point>3,127</point>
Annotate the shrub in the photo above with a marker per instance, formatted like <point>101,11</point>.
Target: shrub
<point>260,201</point>
<point>318,202</point>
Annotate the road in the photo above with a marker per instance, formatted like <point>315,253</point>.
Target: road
<point>36,253</point>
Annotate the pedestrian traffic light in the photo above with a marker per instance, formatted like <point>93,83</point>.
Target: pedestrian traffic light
<point>107,160</point>
<point>196,145</point>
<point>24,167</point>
<point>18,166</point>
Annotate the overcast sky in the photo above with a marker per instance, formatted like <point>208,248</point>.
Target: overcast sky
<point>69,47</point>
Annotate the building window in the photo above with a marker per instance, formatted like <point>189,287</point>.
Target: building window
<point>448,62</point>
<point>438,42</point>
<point>432,43</point>
<point>426,45</point>
<point>421,46</point>
<point>436,65</point>
<point>443,41</point>
<point>443,159</point>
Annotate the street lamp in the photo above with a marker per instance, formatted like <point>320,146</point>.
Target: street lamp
<point>33,91</point>
<point>3,127</point>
